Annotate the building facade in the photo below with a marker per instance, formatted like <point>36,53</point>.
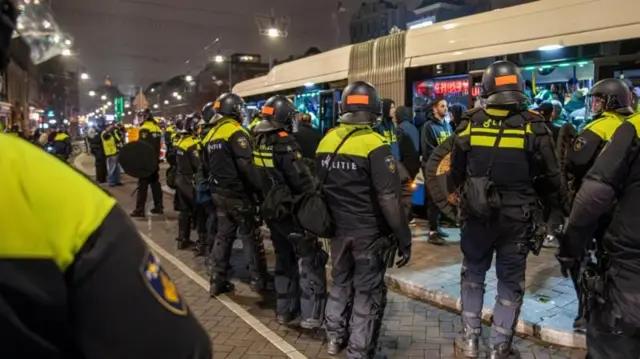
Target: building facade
<point>377,18</point>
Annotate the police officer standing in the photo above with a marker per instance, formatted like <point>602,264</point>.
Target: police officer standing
<point>188,174</point>
<point>62,144</point>
<point>237,192</point>
<point>610,187</point>
<point>79,281</point>
<point>492,160</point>
<point>363,194</point>
<point>279,157</point>
<point>95,146</point>
<point>609,102</point>
<point>150,133</point>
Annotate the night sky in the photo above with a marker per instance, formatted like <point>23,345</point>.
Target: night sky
<point>137,42</point>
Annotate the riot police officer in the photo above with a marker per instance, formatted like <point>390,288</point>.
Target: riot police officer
<point>150,133</point>
<point>492,160</point>
<point>360,182</point>
<point>236,189</point>
<point>79,281</point>
<point>614,324</point>
<point>608,103</point>
<point>279,158</point>
<point>188,173</point>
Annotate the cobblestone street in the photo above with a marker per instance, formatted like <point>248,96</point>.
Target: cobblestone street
<point>242,324</point>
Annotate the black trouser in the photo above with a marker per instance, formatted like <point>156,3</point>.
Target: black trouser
<point>509,239</point>
<point>206,223</point>
<point>606,342</point>
<point>236,217</point>
<point>300,276</point>
<point>407,199</point>
<point>152,181</point>
<point>183,203</point>
<point>101,169</point>
<point>358,295</point>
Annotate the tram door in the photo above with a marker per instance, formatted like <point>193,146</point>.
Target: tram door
<point>329,109</point>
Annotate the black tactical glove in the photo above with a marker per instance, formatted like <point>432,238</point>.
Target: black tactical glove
<point>404,252</point>
<point>567,264</point>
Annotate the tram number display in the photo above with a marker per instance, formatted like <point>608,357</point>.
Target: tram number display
<point>459,87</point>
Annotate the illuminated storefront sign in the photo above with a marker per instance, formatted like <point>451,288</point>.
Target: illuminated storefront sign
<point>459,87</point>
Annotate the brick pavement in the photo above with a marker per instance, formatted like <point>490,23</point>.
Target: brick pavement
<point>411,329</point>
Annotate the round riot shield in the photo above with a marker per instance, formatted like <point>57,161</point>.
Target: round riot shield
<point>566,137</point>
<point>441,189</point>
<point>138,159</point>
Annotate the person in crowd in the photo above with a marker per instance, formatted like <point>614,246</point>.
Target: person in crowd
<point>362,191</point>
<point>455,114</point>
<point>307,137</point>
<point>150,133</point>
<point>408,145</point>
<point>497,203</point>
<point>610,188</point>
<point>435,131</point>
<point>111,144</point>
<point>94,138</point>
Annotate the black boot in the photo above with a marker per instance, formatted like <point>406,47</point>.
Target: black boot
<point>504,351</point>
<point>285,319</point>
<point>201,245</point>
<point>220,286</point>
<point>137,213</point>
<point>182,243</point>
<point>157,210</point>
<point>467,343</point>
<point>335,346</point>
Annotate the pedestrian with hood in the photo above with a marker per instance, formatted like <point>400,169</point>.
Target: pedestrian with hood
<point>408,146</point>
<point>433,133</point>
<point>455,114</point>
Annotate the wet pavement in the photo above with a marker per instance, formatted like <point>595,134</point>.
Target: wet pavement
<point>411,328</point>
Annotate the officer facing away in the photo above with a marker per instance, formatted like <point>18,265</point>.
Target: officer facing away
<point>188,173</point>
<point>611,186</point>
<point>609,102</point>
<point>150,133</point>
<point>492,159</point>
<point>279,157</point>
<point>363,194</point>
<point>62,144</point>
<point>78,281</point>
<point>236,189</point>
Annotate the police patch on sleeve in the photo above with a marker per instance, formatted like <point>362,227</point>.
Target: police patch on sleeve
<point>579,143</point>
<point>161,286</point>
<point>390,162</point>
<point>242,142</point>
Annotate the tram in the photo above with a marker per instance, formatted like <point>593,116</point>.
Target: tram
<point>561,46</point>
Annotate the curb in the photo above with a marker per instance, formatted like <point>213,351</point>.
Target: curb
<point>445,300</point>
<point>523,328</point>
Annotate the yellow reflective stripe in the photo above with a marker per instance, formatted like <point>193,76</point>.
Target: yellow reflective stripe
<point>61,137</point>
<point>39,220</point>
<point>360,144</point>
<point>635,121</point>
<point>496,112</point>
<point>496,131</point>
<point>263,154</point>
<point>489,141</point>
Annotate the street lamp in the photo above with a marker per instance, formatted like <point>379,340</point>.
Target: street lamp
<point>166,102</point>
<point>273,32</point>
<point>103,97</point>
<point>175,94</point>
<point>155,105</point>
<point>92,93</point>
<point>109,103</point>
<point>188,78</point>
<point>84,76</point>
<point>218,58</point>
<point>178,97</point>
<point>66,52</point>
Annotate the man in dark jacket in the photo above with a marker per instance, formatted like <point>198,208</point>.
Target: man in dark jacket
<point>307,137</point>
<point>408,143</point>
<point>434,132</point>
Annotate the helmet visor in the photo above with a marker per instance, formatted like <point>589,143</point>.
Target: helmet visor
<point>596,105</point>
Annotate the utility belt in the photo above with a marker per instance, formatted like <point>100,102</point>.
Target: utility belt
<point>592,282</point>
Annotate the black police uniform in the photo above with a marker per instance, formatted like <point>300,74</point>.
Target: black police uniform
<point>612,183</point>
<point>300,275</point>
<point>588,144</point>
<point>77,280</point>
<point>188,173</point>
<point>236,190</point>
<point>508,233</point>
<point>95,146</point>
<point>363,194</point>
<point>150,133</point>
